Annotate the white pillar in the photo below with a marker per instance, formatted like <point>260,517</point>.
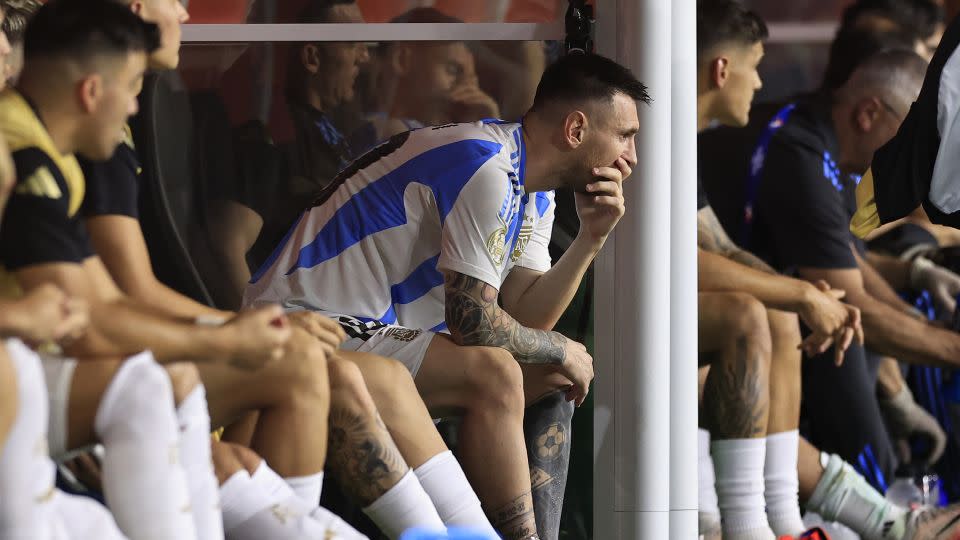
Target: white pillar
<point>632,318</point>
<point>683,275</point>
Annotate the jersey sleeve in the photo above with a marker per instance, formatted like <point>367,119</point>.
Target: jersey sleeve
<point>804,210</point>
<point>113,186</point>
<point>536,253</point>
<point>474,233</point>
<point>36,227</point>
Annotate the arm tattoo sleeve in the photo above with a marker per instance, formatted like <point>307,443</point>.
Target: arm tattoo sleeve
<point>711,237</point>
<point>474,318</point>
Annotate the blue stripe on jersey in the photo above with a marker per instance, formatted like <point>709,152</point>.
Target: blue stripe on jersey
<point>389,317</point>
<point>543,203</point>
<point>424,278</point>
<point>379,205</point>
<point>439,328</point>
<point>276,251</point>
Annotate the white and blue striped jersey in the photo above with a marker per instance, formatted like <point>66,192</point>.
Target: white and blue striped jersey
<point>434,199</point>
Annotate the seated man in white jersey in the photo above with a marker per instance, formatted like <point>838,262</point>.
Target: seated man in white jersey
<point>415,246</point>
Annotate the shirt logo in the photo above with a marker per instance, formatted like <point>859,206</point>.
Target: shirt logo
<point>41,184</point>
<point>522,240</point>
<point>496,243</point>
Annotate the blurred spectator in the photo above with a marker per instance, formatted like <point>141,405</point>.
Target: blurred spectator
<point>922,20</point>
<point>423,83</point>
<point>249,214</point>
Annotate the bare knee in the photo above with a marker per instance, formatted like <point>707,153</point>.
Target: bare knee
<point>301,374</point>
<point>250,459</point>
<point>184,377</point>
<point>494,379</point>
<point>347,387</point>
<point>748,323</point>
<point>387,380</point>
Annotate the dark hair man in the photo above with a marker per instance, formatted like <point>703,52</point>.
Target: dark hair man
<point>414,247</point>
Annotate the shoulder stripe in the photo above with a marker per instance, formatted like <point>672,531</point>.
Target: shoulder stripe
<point>379,205</point>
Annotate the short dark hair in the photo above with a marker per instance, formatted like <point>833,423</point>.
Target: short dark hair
<point>585,76</point>
<point>83,29</point>
<point>17,14</point>
<point>852,46</point>
<point>918,18</point>
<point>727,21</point>
<point>318,11</point>
<point>425,15</point>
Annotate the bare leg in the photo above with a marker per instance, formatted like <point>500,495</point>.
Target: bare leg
<point>487,385</point>
<point>735,337</point>
<point>292,397</point>
<point>785,378</point>
<point>403,411</point>
<point>362,453</point>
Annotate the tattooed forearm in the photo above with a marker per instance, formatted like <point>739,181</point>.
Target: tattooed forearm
<point>362,455</point>
<point>515,520</point>
<point>474,318</point>
<point>735,403</point>
<point>711,237</point>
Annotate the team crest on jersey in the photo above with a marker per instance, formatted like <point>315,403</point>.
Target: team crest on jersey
<point>402,334</point>
<point>40,184</point>
<point>496,244</point>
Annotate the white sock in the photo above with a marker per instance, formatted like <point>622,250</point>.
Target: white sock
<point>404,506</point>
<point>307,488</point>
<point>197,462</point>
<point>443,480</point>
<point>843,495</point>
<point>84,518</point>
<point>739,472</point>
<point>263,506</point>
<point>708,515</point>
<point>26,472</point>
<point>781,484</point>
<point>138,427</point>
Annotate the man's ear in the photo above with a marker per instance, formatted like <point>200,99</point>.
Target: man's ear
<point>137,6</point>
<point>310,58</point>
<point>90,92</point>
<point>400,58</point>
<point>866,112</point>
<point>574,128</point>
<point>719,71</point>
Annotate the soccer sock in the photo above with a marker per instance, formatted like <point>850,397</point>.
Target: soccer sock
<point>845,496</point>
<point>546,430</point>
<point>443,480</point>
<point>138,427</point>
<point>404,506</point>
<point>26,472</point>
<point>739,471</point>
<point>709,512</point>
<point>781,484</point>
<point>263,506</point>
<point>308,488</point>
<point>197,463</point>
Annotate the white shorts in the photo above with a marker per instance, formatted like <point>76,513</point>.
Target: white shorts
<point>404,345</point>
<point>58,373</point>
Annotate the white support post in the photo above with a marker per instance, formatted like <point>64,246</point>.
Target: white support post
<point>683,275</point>
<point>632,321</point>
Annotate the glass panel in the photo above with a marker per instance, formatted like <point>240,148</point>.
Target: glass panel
<point>798,10</point>
<point>378,11</point>
<point>272,124</point>
<point>790,68</point>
